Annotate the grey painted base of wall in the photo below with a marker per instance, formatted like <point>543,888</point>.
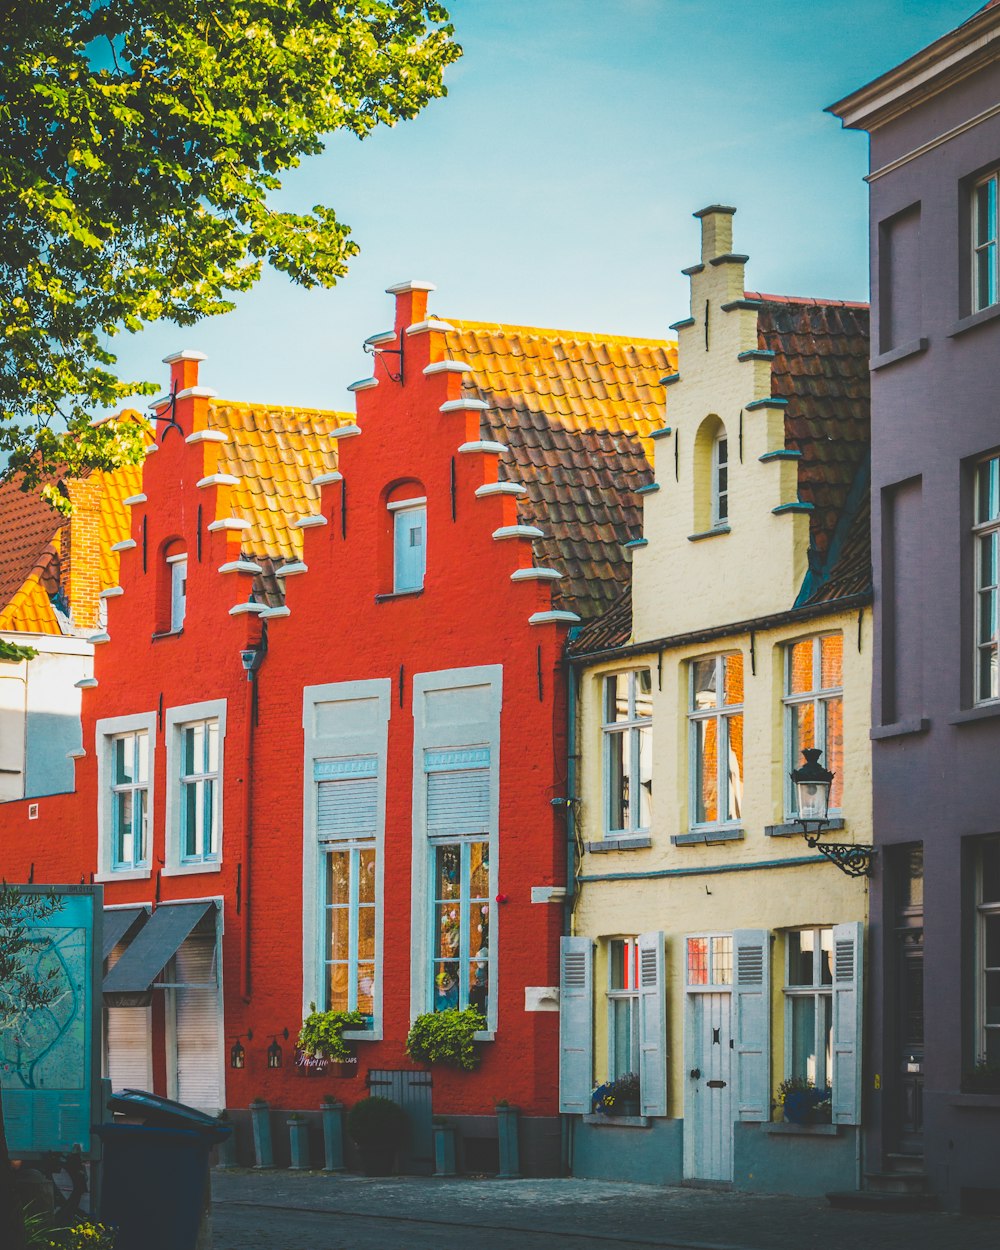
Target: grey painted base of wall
<point>961,1132</point>
<point>785,1161</point>
<point>648,1155</point>
<point>539,1138</point>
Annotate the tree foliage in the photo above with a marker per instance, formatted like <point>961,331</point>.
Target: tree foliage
<point>140,141</point>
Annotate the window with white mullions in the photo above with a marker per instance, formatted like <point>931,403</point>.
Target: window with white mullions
<point>623,1007</point>
<point>809,1006</point>
<point>130,789</point>
<point>461,916</point>
<point>987,558</point>
<point>985,285</point>
<point>720,479</point>
<point>628,752</point>
<point>988,954</point>
<point>814,710</point>
<point>715,717</point>
<point>350,928</point>
<point>199,780</point>
<point>709,961</point>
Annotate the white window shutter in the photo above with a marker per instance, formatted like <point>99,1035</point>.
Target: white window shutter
<point>347,797</point>
<point>652,1026</point>
<point>576,1024</point>
<point>752,977</point>
<point>848,961</point>
<point>198,1027</point>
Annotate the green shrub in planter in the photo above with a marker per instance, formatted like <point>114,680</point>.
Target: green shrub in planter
<point>446,1037</point>
<point>322,1033</point>
<point>377,1126</point>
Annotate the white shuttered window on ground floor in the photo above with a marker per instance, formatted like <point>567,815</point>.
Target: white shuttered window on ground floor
<point>128,1053</point>
<point>197,1034</point>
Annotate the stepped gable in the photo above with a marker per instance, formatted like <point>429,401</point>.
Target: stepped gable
<point>820,367</point>
<point>574,412</point>
<point>275,452</point>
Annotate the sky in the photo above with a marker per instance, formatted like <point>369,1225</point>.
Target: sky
<point>555,183</point>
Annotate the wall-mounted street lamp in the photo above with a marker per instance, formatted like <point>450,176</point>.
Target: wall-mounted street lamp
<point>274,1052</point>
<point>237,1052</point>
<point>812,784</point>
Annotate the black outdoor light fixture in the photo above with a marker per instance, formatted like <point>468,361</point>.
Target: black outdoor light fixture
<point>377,345</point>
<point>274,1053</point>
<point>812,784</point>
<point>238,1053</point>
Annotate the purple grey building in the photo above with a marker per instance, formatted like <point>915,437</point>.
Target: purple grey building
<point>933,1077</point>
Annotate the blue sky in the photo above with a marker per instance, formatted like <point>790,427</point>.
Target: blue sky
<point>554,185</point>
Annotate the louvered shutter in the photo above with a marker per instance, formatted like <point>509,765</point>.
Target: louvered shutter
<point>576,1024</point>
<point>752,958</point>
<point>197,1027</point>
<point>346,797</point>
<point>848,959</point>
<point>652,1026</point>
<point>127,1042</point>
<point>458,791</point>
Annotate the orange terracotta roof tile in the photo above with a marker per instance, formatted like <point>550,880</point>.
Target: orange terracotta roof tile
<point>28,527</point>
<point>29,611</point>
<point>575,411</point>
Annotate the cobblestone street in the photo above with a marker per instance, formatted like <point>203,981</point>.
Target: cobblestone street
<point>313,1211</point>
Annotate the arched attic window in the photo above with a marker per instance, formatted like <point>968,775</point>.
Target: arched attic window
<point>720,478</point>
<point>407,506</point>
<point>174,586</point>
<point>711,468</point>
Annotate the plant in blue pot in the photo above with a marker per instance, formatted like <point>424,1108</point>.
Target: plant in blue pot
<point>801,1102</point>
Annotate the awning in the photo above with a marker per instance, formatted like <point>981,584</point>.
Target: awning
<point>119,921</point>
<point>154,946</point>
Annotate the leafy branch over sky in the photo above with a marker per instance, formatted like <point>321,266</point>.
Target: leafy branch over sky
<point>139,142</point>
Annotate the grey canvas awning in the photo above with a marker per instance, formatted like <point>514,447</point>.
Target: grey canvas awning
<point>118,922</point>
<point>153,947</point>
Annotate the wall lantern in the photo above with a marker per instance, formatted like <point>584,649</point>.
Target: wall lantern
<point>237,1052</point>
<point>812,784</point>
<point>274,1052</point>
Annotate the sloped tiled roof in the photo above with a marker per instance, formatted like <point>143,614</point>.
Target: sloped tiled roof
<point>28,528</point>
<point>574,411</point>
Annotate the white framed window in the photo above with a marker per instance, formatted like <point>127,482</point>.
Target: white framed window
<point>720,479</point>
<point>986,535</point>
<point>623,1007</point>
<point>715,717</point>
<point>124,746</point>
<point>346,743</point>
<point>709,961</point>
<point>809,1005</point>
<point>814,710</point>
<point>195,735</point>
<point>409,543</point>
<point>178,590</point>
<point>456,796</point>
<point>985,259</point>
<point>627,732</point>
<point>988,953</point>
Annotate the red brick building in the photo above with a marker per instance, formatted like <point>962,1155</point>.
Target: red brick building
<point>325,750</point>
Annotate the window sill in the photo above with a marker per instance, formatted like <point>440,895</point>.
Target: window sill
<point>362,1035</point>
<point>617,1121</point>
<point>608,845</point>
<point>698,837</point>
<point>484,1035</point>
<point>712,533</point>
<point>900,728</point>
<point>781,1129</point>
<point>793,827</point>
<point>122,874</point>
<point>905,350</point>
<point>976,319</point>
<point>981,1102</point>
<point>191,870</point>
<point>985,711</point>
<point>167,633</point>
<point>399,594</point>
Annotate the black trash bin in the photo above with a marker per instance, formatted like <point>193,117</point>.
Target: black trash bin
<point>155,1183</point>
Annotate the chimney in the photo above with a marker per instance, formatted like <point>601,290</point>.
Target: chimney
<point>411,302</point>
<point>716,231</point>
<point>83,580</point>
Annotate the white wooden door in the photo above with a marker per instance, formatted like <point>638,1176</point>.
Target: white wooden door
<point>128,1059</point>
<point>708,1105</point>
<point>197,1027</point>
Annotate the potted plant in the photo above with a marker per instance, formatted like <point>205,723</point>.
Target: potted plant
<point>617,1097</point>
<point>447,1037</point>
<point>321,1039</point>
<point>377,1126</point>
<point>800,1101</point>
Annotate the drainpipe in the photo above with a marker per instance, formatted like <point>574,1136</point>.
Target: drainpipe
<point>572,680</point>
<point>252,658</point>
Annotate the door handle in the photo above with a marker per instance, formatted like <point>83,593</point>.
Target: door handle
<point>695,1073</point>
<point>716,1084</point>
